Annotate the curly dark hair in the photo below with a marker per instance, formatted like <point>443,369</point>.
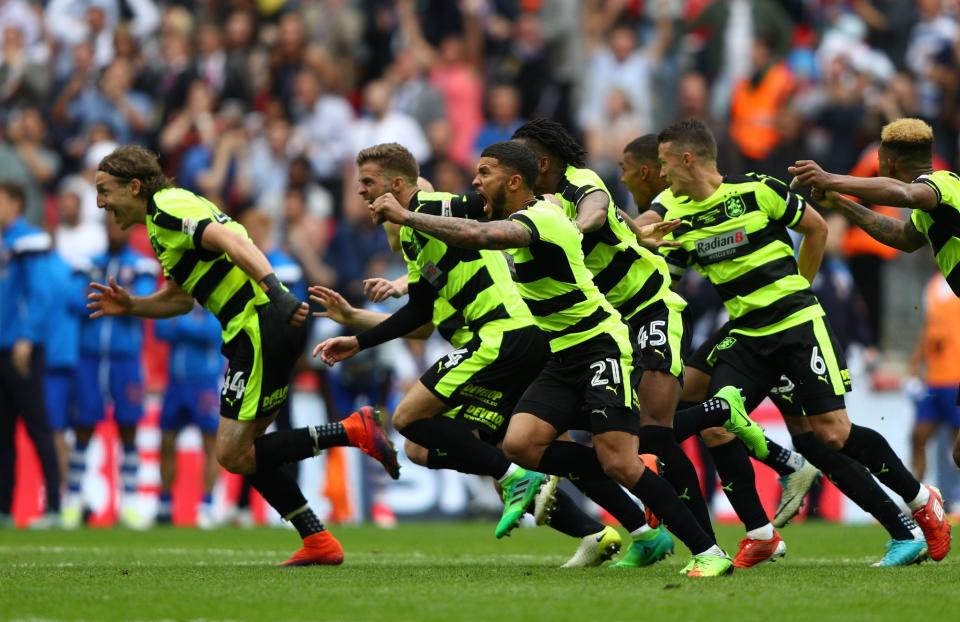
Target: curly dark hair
<point>553,138</point>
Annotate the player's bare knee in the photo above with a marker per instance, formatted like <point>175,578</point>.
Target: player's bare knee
<point>235,460</point>
<point>417,454</point>
<point>620,468</point>
<point>520,451</point>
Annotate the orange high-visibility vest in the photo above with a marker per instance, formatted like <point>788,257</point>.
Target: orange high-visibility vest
<point>753,113</point>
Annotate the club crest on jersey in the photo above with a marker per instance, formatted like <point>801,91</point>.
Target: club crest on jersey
<point>722,245</point>
<point>734,207</point>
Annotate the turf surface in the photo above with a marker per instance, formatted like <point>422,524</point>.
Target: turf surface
<point>448,572</point>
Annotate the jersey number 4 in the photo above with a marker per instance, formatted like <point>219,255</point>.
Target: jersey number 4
<point>655,337</point>
<point>235,384</point>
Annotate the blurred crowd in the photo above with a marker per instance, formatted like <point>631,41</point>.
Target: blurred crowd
<point>262,105</point>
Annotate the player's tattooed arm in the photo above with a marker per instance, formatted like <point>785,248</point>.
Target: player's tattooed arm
<point>893,232</point>
<point>496,235</point>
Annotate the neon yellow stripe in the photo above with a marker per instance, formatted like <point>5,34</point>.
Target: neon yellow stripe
<point>822,336</point>
<point>765,296</point>
<point>254,384</point>
<point>674,339</point>
<point>801,316</point>
<point>949,256</point>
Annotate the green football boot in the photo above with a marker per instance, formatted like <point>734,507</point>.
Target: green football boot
<point>705,565</point>
<point>741,424</point>
<point>519,490</point>
<point>647,549</point>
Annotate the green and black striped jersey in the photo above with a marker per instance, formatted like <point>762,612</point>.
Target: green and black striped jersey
<point>737,238</point>
<point>630,276</point>
<point>941,225</point>
<point>472,287</point>
<point>555,283</point>
<point>176,219</point>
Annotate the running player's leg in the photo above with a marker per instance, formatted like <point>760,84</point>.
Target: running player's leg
<point>661,338</point>
<point>929,414</point>
<point>816,363</point>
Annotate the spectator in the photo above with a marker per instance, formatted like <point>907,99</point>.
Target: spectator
<point>128,113</point>
<point>77,240</point>
<point>24,80</point>
<point>757,101</point>
<point>503,114</point>
<point>323,122</point>
<point>26,160</point>
<point>25,306</point>
<point>110,372</point>
<point>381,124</point>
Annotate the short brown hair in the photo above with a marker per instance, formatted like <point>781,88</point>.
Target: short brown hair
<point>694,136</point>
<point>908,138</point>
<point>135,162</point>
<point>394,158</point>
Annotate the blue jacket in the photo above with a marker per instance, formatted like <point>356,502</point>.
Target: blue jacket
<point>118,336</point>
<point>62,336</point>
<point>194,341</point>
<point>25,292</point>
<point>289,272</point>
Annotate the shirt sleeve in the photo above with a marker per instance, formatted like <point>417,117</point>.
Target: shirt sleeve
<point>528,220</point>
<point>417,312</point>
<point>928,180</point>
<point>781,204</point>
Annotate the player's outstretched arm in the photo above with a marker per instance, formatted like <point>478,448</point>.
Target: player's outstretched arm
<point>342,312</point>
<point>651,235</point>
<point>111,299</point>
<point>875,190</point>
<point>246,256</point>
<point>496,235</point>
<point>893,232</point>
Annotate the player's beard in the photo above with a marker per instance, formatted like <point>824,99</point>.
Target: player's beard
<point>498,203</point>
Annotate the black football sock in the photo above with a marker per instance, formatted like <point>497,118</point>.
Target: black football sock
<point>712,413</point>
<point>677,470</point>
<point>471,455</point>
<point>569,519</point>
<point>306,522</point>
<point>609,495</point>
<point>657,495</point>
<point>278,448</point>
<point>867,447</point>
<point>739,483</point>
<point>572,461</point>
<point>780,459</point>
<point>438,459</point>
<point>283,494</point>
<point>854,480</point>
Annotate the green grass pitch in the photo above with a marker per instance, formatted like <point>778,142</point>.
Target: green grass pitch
<point>449,572</point>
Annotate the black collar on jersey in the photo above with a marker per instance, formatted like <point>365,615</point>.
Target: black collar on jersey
<point>151,206</point>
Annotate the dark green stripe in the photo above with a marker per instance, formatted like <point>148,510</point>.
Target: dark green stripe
<point>650,289</point>
<point>450,326</point>
<point>543,308</point>
<point>184,267</point>
<point>618,268</point>
<point>472,289</point>
<point>587,323</point>
<point>775,311</point>
<point>208,282</point>
<point>603,235</point>
<point>497,313</point>
<point>534,232</point>
<point>236,304</point>
<point>549,261</point>
<point>166,221</point>
<point>761,276</point>
<point>946,225</point>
